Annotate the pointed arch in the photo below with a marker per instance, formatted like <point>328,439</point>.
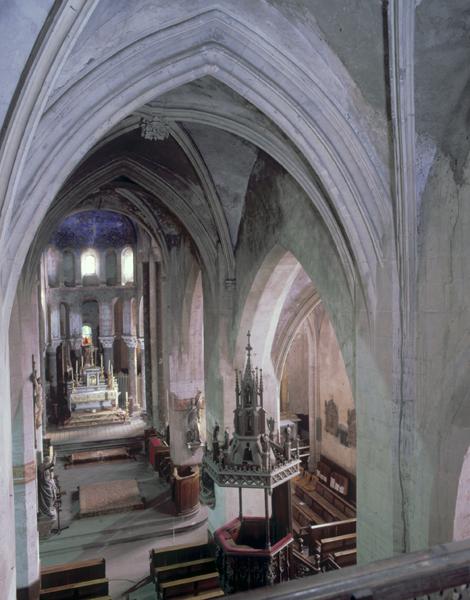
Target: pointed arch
<point>218,43</point>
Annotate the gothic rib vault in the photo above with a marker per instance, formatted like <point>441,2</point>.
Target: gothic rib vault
<point>275,153</point>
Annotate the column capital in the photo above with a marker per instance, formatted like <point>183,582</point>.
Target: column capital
<point>142,343</point>
<point>107,341</point>
<point>130,341</point>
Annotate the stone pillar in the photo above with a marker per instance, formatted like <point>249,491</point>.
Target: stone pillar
<point>78,267</point>
<point>106,316</point>
<point>102,267</point>
<point>143,396</point>
<point>107,343</point>
<point>52,367</point>
<point>162,389</point>
<point>147,351</point>
<point>152,343</point>
<point>76,344</point>
<point>24,343</point>
<point>131,343</point>
<point>127,320</point>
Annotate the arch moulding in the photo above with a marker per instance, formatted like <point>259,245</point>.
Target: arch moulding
<point>215,43</point>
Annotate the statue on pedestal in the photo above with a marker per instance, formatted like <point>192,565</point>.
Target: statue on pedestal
<point>88,356</point>
<point>47,489</point>
<point>193,433</point>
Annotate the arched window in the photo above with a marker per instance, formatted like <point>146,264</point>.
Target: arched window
<point>88,263</point>
<point>87,335</point>
<point>127,266</point>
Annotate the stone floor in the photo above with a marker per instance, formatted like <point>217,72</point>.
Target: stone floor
<point>124,539</point>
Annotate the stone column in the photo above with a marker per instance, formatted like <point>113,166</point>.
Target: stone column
<point>102,267</point>
<point>52,367</point>
<point>78,267</point>
<point>106,317</point>
<point>131,343</point>
<point>143,396</point>
<point>24,343</point>
<point>162,389</point>
<point>147,337</point>
<point>107,343</point>
<point>152,345</point>
<point>76,344</point>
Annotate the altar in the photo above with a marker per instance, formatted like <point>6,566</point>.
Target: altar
<point>90,389</point>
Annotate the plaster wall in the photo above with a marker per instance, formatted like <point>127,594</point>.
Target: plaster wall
<point>334,383</point>
<point>297,364</point>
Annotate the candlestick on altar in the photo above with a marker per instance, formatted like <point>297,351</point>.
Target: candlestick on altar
<point>82,361</point>
<point>101,361</point>
<point>127,403</point>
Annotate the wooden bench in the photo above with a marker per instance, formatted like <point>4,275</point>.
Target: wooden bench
<point>188,585</point>
<point>335,499</point>
<point>303,514</point>
<point>162,557</point>
<point>184,569</point>
<point>82,589</point>
<point>332,545</point>
<point>320,505</point>
<point>339,542</point>
<point>215,593</point>
<point>81,579</point>
<point>345,558</point>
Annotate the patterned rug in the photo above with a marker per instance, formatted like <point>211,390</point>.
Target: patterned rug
<point>109,497</point>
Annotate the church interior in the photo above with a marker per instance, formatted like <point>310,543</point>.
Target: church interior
<point>234,299</point>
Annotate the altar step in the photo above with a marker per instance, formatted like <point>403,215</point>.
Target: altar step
<point>96,419</point>
<point>65,448</point>
<point>118,528</point>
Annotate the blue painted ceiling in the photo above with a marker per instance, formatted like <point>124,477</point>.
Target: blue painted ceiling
<point>99,229</point>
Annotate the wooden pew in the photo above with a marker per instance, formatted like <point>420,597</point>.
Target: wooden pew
<point>339,542</point>
<point>184,569</point>
<point>312,534</point>
<point>336,500</point>
<point>325,530</point>
<point>83,589</point>
<point>345,558</point>
<point>178,554</point>
<point>319,504</point>
<point>332,545</point>
<point>81,579</point>
<point>303,514</point>
<point>188,585</point>
<point>215,593</point>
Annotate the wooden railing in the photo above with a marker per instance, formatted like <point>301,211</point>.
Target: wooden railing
<point>441,572</point>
